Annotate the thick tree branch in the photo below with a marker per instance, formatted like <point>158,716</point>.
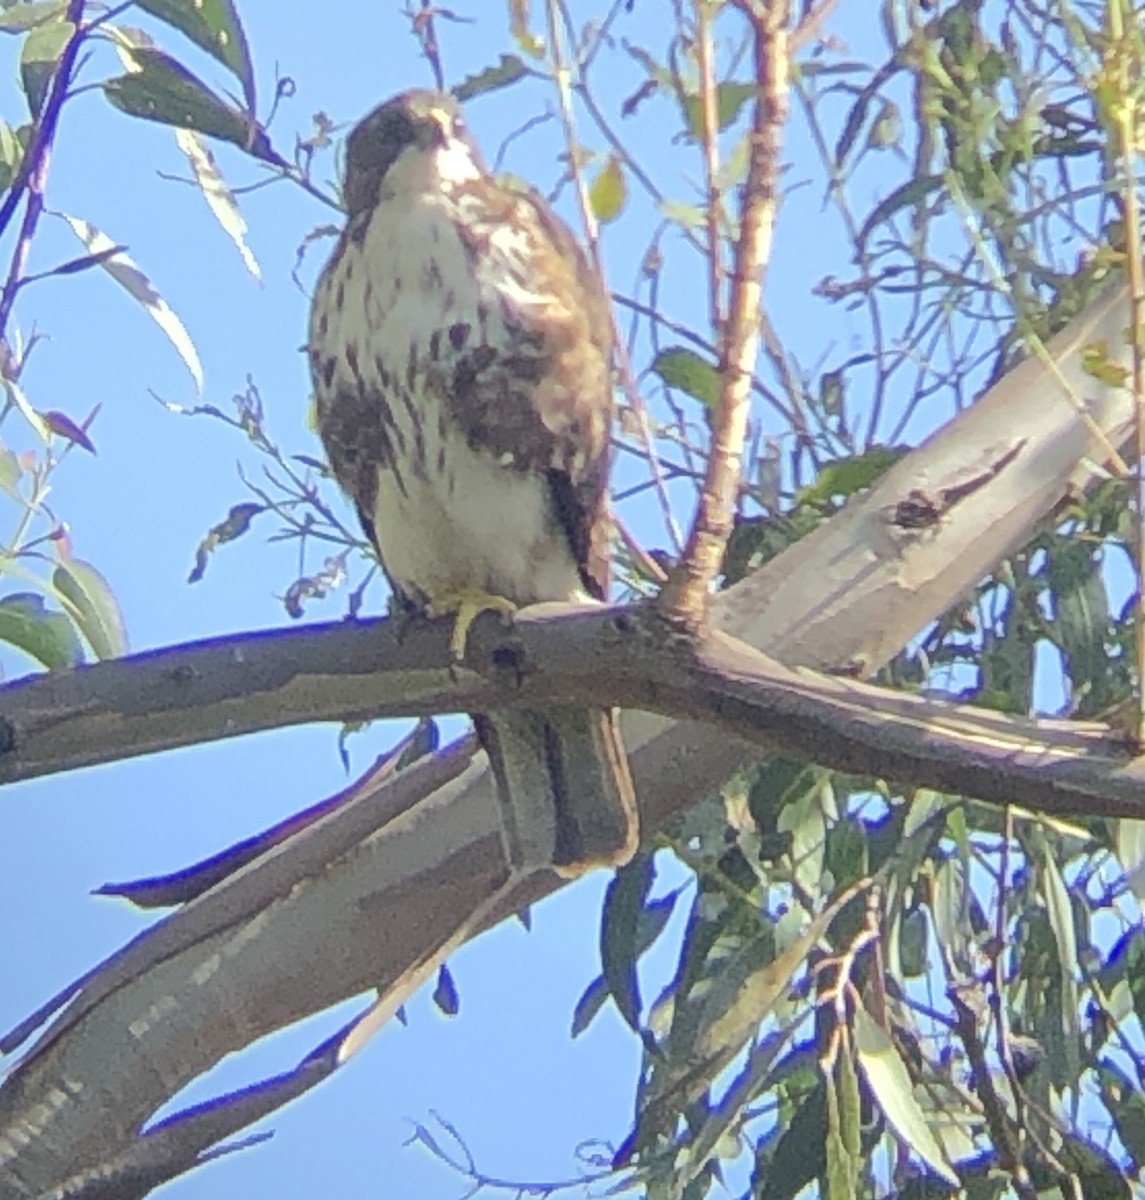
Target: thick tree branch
<point>340,908</point>
<point>627,657</point>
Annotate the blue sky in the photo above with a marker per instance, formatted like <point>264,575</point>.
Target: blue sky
<point>504,1072</point>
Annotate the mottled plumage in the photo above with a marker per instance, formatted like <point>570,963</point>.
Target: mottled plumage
<point>459,347</point>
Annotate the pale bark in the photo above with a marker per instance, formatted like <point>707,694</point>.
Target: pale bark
<point>342,907</point>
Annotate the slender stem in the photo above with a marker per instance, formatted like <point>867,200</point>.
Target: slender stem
<point>33,171</point>
<point>685,598</point>
<point>710,147</point>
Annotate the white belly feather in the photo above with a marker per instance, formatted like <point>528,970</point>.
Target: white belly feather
<point>469,521</point>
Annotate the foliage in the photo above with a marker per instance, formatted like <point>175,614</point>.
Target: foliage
<point>878,989</point>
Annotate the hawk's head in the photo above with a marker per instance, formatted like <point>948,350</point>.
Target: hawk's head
<point>414,142</point>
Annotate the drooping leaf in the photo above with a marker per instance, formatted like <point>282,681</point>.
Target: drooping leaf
<point>233,525</point>
<point>11,155</point>
<point>84,262</point>
<point>910,194</point>
<point>730,99</point>
<point>1061,916</point>
<point>608,191</point>
<point>800,1153</point>
<point>315,586</point>
<point>847,476</point>
<point>623,903</point>
<point>506,72</point>
<point>890,1085</point>
<point>19,18</point>
<point>804,822</point>
<point>445,993</point>
<point>750,984</point>
<point>650,924</point>
<point>38,57</point>
<point>681,368</point>
<point>532,43</point>
<point>839,1174</point>
<point>124,271</point>
<point>689,216</point>
<point>48,637</point>
<point>1081,607</point>
<point>163,90</point>
<point>37,422</point>
<point>93,606</point>
<point>1124,1100</point>
<point>63,426</point>
<point>11,473</point>
<point>1129,844</point>
<point>220,199</point>
<point>214,26</point>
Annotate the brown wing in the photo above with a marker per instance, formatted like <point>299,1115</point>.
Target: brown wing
<point>541,401</point>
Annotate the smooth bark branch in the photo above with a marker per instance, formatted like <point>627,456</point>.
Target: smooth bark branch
<point>627,657</point>
<point>359,898</point>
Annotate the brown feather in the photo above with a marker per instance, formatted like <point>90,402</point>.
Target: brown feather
<point>459,347</point>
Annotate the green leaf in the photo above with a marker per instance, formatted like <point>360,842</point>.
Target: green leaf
<point>1081,608</point>
<point>688,216</point>
<point>608,192</point>
<point>214,26</point>
<point>164,90</point>
<point>730,99</point>
<point>38,57</point>
<point>890,1085</point>
<point>48,637</point>
<point>623,903</point>
<point>506,72</point>
<point>93,607</point>
<point>686,370</point>
<point>803,818</point>
<point>854,123</point>
<point>1124,1100</point>
<point>840,1171</point>
<point>11,155</point>
<point>799,1154</point>
<point>19,18</point>
<point>124,271</point>
<point>847,476</point>
<point>37,422</point>
<point>220,199</point>
<point>650,924</point>
<point>911,194</point>
<point>592,1000</point>
<point>63,426</point>
<point>445,994</point>
<point>11,472</point>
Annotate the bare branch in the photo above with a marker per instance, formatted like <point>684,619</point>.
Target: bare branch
<point>559,653</point>
<point>33,172</point>
<point>685,598</point>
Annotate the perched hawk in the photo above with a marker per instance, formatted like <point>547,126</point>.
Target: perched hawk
<point>459,345</point>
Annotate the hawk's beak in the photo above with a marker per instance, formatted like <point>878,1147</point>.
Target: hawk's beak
<point>435,128</point>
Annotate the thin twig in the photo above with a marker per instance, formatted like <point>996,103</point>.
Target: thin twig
<point>685,598</point>
<point>33,171</point>
<point>709,141</point>
<point>562,79</point>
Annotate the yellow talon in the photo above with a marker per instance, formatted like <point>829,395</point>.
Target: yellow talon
<point>466,605</point>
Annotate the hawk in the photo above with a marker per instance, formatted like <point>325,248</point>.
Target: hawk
<point>459,347</point>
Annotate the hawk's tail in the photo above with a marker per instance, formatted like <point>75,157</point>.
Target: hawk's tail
<point>565,790</point>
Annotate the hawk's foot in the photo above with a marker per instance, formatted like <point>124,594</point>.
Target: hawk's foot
<point>466,605</point>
